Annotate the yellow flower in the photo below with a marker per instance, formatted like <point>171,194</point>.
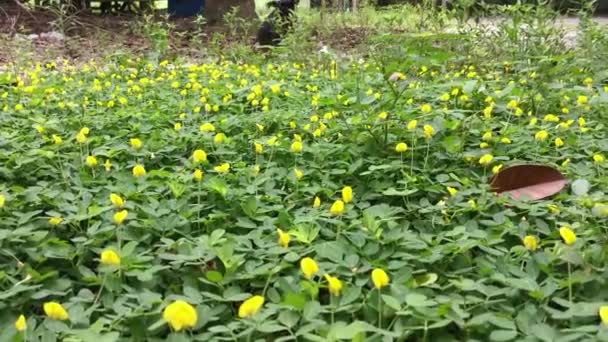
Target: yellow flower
<point>512,104</point>
<point>55,221</point>
<point>197,175</point>
<point>582,99</point>
<point>568,235</point>
<point>56,139</point>
<point>581,122</point>
<point>39,129</point>
<point>541,135</point>
<point>222,168</point>
<point>316,202</point>
<point>81,138</point>
<point>379,278</point>
<point>180,315</point>
<point>135,143</point>
<point>604,314</point>
<point>337,208</point>
<point>54,310</point>
<point>21,324</point>
<point>401,147</point>
<point>271,141</point>
<point>251,306</point>
<point>207,127</point>
<point>530,242</point>
<point>452,191</point>
<point>333,284</point>
<point>559,142</point>
<point>91,161</point>
<point>565,124</point>
<point>2,201</point>
<point>309,267</point>
<point>177,126</point>
<point>284,238</point>
<point>219,138</point>
<point>139,171</point>
<point>598,158</point>
<point>505,140</point>
<point>487,136</point>
<point>487,112</point>
<point>426,108</point>
<point>199,156</point>
<point>483,145</point>
<point>120,216</point>
<point>412,125</point>
<point>107,165</point>
<point>258,148</point>
<point>588,81</point>
<point>296,147</point>
<point>428,131</point>
<point>553,209</point>
<point>299,174</point>
<point>117,201</point>
<point>110,258</point>
<point>382,115</point>
<point>551,118</point>
<point>347,194</point>
<point>486,159</point>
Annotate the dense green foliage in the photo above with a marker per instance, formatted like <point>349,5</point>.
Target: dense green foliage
<point>414,127</point>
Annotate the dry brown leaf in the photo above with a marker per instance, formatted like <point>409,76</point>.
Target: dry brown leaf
<point>528,181</point>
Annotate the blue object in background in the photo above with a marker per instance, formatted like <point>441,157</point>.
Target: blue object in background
<point>185,8</point>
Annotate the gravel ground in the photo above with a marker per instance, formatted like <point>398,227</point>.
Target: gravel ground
<point>569,24</point>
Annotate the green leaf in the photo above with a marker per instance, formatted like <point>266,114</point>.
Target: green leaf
<point>426,279</point>
<point>393,192</point>
<point>288,318</point>
<point>391,302</point>
<point>311,310</point>
<point>452,143</point>
<point>544,332</point>
<point>350,294</point>
<point>214,276</point>
<point>250,206</point>
<point>417,300</point>
<point>295,300</point>
<point>270,327</point>
<point>217,185</point>
<point>503,335</point>
<point>177,188</point>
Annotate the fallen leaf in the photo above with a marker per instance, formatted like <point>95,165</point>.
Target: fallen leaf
<point>528,181</point>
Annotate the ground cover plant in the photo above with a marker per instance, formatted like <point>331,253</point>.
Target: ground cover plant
<point>306,197</point>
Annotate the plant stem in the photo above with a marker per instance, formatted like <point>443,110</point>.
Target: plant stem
<point>103,283</point>
<point>412,157</point>
<point>426,157</point>
<point>267,283</point>
<point>426,330</point>
<point>198,202</point>
<point>333,309</point>
<point>570,285</point>
<point>379,309</point>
